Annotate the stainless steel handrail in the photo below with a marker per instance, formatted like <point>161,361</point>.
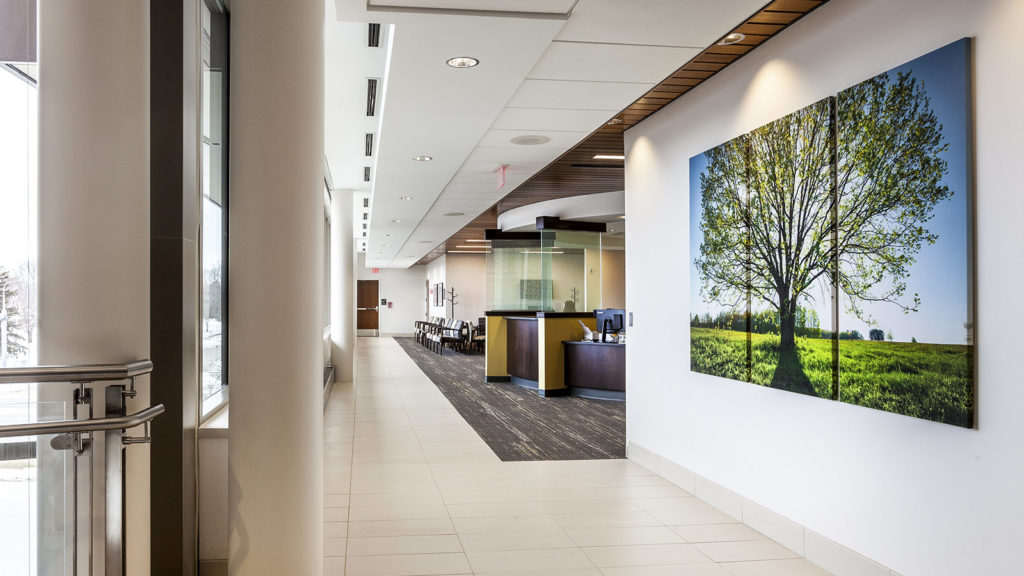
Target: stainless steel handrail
<point>90,425</point>
<point>75,373</point>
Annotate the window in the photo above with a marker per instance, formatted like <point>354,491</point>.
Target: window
<point>214,234</point>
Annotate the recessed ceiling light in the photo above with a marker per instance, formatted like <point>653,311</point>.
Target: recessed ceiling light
<point>454,213</point>
<point>405,198</point>
<point>614,122</point>
<point>732,39</point>
<point>426,241</point>
<point>423,158</point>
<point>623,217</point>
<point>388,235</point>
<point>477,246</point>
<point>475,240</point>
<point>396,221</point>
<point>470,252</point>
<point>462,62</point>
<point>530,140</point>
<point>609,157</point>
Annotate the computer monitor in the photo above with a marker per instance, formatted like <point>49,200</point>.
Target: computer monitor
<point>610,320</point>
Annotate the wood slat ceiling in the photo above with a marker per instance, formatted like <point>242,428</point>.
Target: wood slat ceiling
<point>576,173</point>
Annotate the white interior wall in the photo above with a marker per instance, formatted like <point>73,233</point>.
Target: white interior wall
<point>613,278</point>
<point>922,498</point>
<point>405,289</point>
<point>468,274</point>
<point>436,273</point>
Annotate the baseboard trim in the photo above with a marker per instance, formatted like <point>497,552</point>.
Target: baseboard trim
<point>497,378</point>
<point>830,555</point>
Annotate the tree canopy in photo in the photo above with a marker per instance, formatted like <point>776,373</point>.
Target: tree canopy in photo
<point>773,202</point>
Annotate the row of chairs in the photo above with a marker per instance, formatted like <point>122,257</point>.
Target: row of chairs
<point>435,333</point>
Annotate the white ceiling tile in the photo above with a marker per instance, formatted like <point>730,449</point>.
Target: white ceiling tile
<point>609,96</point>
<point>694,23</point>
<point>559,139</point>
<point>610,62</point>
<point>543,6</point>
<point>515,154</point>
<point>548,120</point>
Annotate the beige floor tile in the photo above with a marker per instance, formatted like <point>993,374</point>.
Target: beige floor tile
<point>504,524</point>
<point>335,500</point>
<point>408,565</point>
<point>528,560</point>
<point>431,544</point>
<point>481,509</point>
<point>673,503</point>
<point>673,570</point>
<point>794,567</point>
<point>397,512</point>
<point>717,533</point>
<point>587,506</point>
<point>521,540</point>
<point>545,572</point>
<point>335,529</point>
<point>587,537</point>
<point>688,517</point>
<point>743,551</point>
<point>335,546</point>
<point>404,527</point>
<point>335,514</point>
<point>605,519</point>
<point>645,555</point>
<point>334,566</point>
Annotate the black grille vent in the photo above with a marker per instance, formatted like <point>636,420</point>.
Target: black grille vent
<point>369,144</point>
<point>366,202</point>
<point>371,96</point>
<point>373,38</point>
<point>366,174</point>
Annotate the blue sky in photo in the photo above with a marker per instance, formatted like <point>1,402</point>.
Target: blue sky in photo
<point>942,272</point>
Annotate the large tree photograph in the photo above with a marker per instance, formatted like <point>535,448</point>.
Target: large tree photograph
<point>865,195</point>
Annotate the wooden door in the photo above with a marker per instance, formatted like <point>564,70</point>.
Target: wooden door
<point>367,292</point>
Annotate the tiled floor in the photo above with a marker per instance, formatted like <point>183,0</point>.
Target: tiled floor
<point>410,489</point>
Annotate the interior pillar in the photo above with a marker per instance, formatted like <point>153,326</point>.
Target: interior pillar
<point>343,326</point>
<point>275,467</point>
<point>94,218</point>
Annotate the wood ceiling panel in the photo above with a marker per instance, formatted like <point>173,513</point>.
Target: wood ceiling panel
<point>576,173</point>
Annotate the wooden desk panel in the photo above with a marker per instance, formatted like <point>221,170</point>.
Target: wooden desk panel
<point>522,348</point>
<point>595,365</point>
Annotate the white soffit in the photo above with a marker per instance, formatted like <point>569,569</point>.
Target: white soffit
<point>536,6</point>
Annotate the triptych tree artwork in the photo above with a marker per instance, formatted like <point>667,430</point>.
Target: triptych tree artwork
<point>831,250</point>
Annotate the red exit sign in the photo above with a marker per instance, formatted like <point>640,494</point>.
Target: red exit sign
<point>375,270</point>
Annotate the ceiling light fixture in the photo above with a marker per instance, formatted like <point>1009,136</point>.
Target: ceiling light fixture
<point>467,252</point>
<point>623,217</point>
<point>477,246</point>
<point>454,213</point>
<point>423,158</point>
<point>475,240</point>
<point>530,140</point>
<point>609,157</point>
<point>396,221</point>
<point>463,62</point>
<point>614,122</point>
<point>405,198</point>
<point>732,39</point>
<point>426,241</point>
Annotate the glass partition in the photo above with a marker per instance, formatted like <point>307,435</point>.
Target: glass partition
<point>559,271</point>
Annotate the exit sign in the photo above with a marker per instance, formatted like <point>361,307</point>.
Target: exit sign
<point>500,172</point>
<point>375,270</point>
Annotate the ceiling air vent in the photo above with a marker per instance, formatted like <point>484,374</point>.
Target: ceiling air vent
<point>373,38</point>
<point>371,96</point>
<point>366,202</point>
<point>369,144</point>
<point>366,174</point>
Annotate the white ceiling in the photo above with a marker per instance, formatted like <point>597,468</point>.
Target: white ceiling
<point>554,68</point>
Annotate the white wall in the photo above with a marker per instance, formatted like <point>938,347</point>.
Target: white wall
<point>437,271</point>
<point>919,497</point>
<point>405,287</point>
<point>468,274</point>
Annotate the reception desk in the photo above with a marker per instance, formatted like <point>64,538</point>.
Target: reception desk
<point>596,369</point>
<point>525,347</point>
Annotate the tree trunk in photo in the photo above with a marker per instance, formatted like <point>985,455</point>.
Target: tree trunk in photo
<point>787,322</point>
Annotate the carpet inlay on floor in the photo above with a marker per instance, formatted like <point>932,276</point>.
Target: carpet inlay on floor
<point>516,422</point>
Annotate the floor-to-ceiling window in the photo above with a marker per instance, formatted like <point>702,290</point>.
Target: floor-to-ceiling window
<point>18,204</point>
<point>214,238</point>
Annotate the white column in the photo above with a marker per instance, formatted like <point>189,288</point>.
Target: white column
<point>94,212</point>
<point>343,326</point>
<point>276,262</point>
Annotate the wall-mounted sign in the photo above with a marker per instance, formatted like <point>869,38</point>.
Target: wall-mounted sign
<point>375,270</point>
